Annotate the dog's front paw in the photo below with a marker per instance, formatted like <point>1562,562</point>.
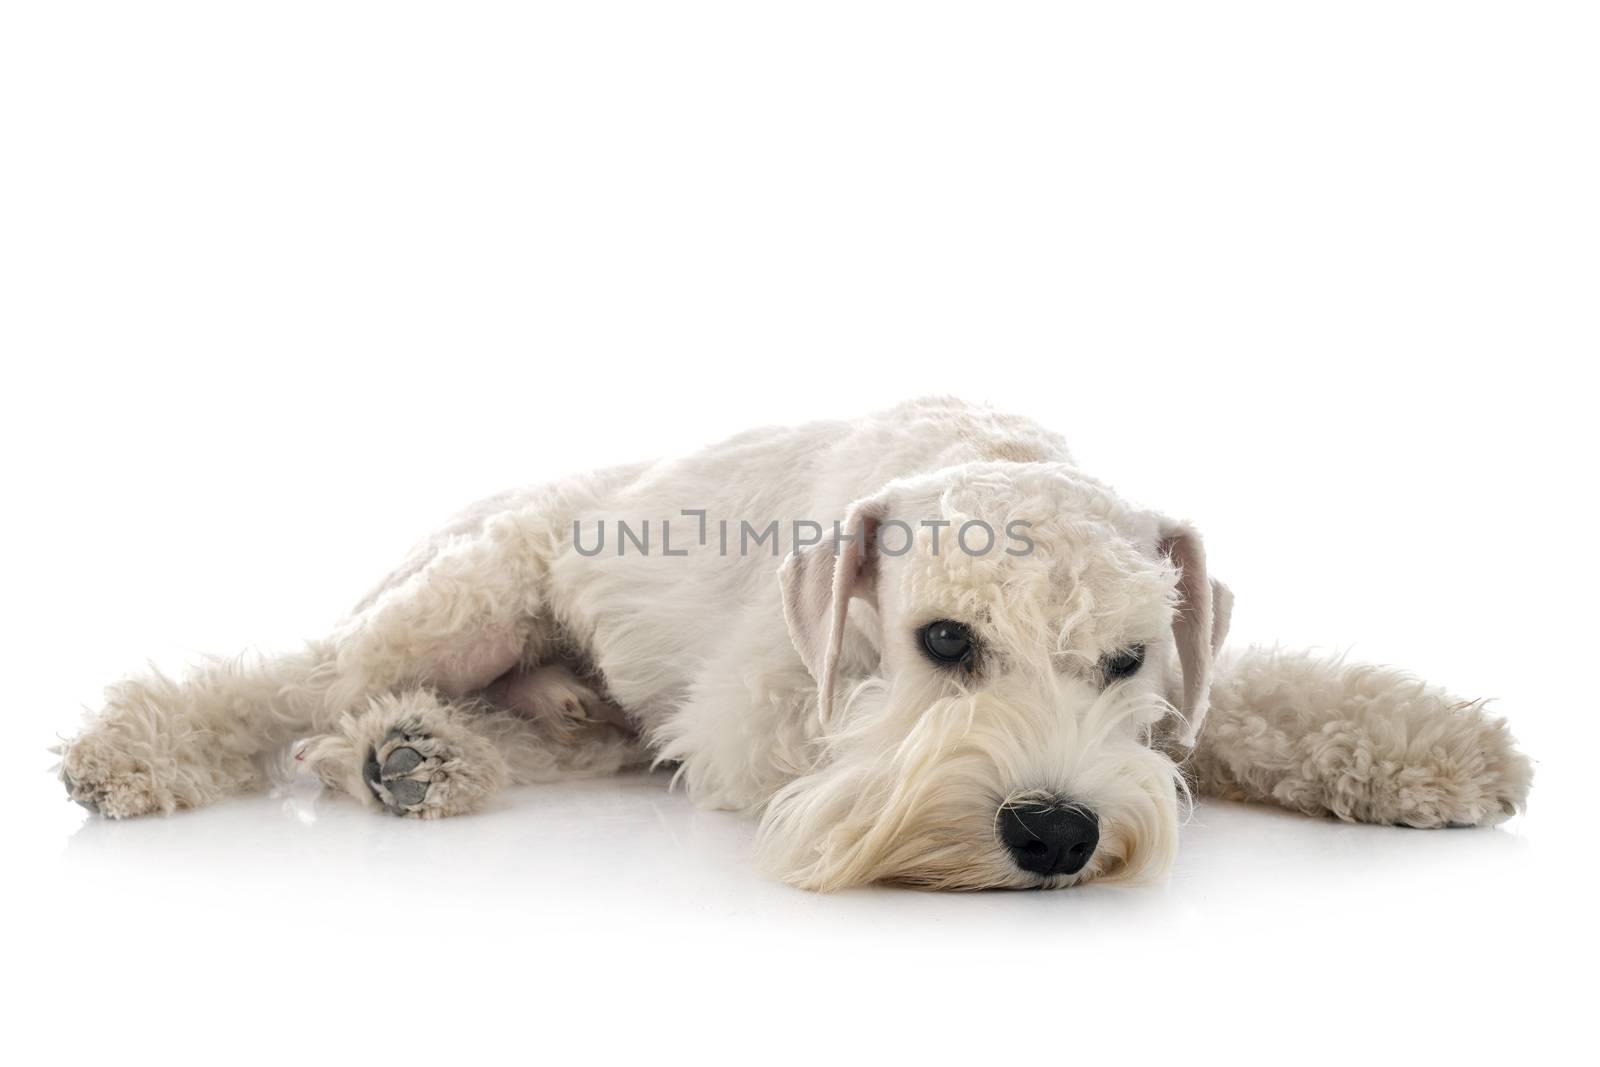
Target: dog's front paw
<point>1460,768</point>
<point>420,774</point>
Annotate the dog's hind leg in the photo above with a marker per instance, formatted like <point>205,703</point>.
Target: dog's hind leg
<point>422,755</point>
<point>162,743</point>
<point>413,753</point>
<point>1362,743</point>
<point>467,612</point>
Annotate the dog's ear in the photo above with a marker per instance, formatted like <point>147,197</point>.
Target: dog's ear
<point>1201,622</point>
<point>818,582</point>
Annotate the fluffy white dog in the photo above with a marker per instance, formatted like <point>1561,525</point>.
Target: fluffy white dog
<point>975,666</point>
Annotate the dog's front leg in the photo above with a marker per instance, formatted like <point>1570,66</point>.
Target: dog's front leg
<point>1363,743</point>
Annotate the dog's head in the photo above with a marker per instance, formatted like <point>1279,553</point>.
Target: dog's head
<point>999,648</point>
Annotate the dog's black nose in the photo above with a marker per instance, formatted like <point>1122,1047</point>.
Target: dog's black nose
<point>1049,838</point>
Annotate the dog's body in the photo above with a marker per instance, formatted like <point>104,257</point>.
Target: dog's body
<point>1022,715</point>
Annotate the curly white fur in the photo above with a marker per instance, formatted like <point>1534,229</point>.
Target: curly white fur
<point>1363,743</point>
<point>499,653</point>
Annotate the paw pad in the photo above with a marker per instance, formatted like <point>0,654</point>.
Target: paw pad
<point>398,773</point>
<point>78,797</point>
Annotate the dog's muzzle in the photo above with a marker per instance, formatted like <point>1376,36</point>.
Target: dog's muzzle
<point>1049,838</point>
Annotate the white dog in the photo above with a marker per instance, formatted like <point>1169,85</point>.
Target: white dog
<point>976,666</point>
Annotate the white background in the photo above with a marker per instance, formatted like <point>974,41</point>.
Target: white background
<point>283,284</point>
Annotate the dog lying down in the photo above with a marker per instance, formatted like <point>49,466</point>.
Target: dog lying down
<point>921,647</point>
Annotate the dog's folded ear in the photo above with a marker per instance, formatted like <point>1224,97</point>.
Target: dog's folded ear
<point>1200,624</point>
<point>818,582</point>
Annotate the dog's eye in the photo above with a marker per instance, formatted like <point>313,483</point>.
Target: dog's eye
<point>946,641</point>
<point>1123,664</point>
